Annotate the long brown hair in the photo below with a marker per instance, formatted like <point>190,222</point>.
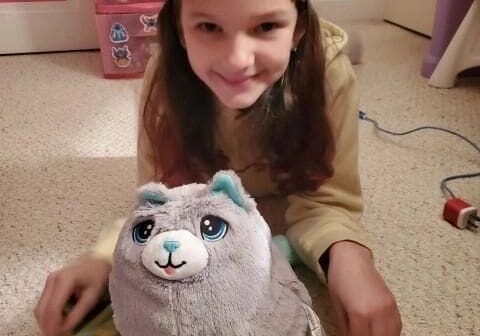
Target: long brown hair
<point>292,127</point>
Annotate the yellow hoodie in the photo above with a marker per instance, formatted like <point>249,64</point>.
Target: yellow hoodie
<point>313,221</point>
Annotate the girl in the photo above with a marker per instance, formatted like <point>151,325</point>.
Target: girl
<point>261,87</point>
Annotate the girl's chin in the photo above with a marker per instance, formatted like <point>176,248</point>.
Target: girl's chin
<point>239,101</point>
<point>237,104</point>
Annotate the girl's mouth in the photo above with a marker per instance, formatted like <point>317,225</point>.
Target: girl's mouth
<point>236,82</point>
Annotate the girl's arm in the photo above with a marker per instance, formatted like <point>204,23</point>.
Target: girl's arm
<point>316,220</point>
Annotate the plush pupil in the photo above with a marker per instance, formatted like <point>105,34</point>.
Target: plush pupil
<point>213,228</point>
<point>142,231</point>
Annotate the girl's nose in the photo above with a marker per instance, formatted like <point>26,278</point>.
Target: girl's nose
<point>240,54</point>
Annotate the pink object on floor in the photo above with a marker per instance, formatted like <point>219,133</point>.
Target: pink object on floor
<point>126,29</point>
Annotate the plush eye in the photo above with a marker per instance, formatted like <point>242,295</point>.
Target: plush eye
<point>213,228</point>
<point>142,231</point>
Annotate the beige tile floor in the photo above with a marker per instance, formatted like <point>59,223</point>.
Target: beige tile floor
<point>67,146</point>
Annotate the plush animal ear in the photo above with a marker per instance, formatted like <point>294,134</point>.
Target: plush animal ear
<point>228,183</point>
<point>153,193</point>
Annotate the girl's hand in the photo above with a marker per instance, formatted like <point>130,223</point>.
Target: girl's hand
<point>363,304</point>
<point>86,279</point>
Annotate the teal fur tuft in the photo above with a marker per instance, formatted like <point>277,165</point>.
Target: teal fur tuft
<point>225,184</point>
<point>287,249</point>
<point>153,197</point>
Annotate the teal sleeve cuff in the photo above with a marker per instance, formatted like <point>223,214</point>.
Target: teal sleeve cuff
<point>287,250</point>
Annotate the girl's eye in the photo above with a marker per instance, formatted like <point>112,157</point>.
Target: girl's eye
<point>267,27</point>
<point>208,27</point>
<point>213,228</point>
<point>142,231</point>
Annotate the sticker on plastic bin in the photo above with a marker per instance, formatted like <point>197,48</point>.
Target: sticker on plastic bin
<point>118,33</point>
<point>122,56</point>
<point>149,23</point>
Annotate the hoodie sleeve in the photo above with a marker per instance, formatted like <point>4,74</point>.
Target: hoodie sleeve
<point>330,214</point>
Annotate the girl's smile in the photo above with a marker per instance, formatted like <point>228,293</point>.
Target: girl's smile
<point>236,83</point>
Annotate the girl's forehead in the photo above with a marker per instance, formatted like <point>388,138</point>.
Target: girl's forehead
<point>236,8</point>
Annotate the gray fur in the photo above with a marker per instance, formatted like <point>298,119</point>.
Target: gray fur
<point>246,288</point>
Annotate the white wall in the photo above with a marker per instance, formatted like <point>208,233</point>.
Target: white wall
<point>350,10</point>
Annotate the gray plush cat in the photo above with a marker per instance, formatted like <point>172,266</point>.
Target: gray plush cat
<point>199,260</point>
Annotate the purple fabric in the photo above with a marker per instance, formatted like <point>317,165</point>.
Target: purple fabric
<point>449,15</point>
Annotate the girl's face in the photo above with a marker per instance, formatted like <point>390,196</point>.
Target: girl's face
<point>239,48</point>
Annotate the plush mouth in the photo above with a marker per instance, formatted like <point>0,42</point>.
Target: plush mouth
<point>169,267</point>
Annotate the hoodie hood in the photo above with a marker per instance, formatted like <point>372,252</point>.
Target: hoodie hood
<point>335,40</point>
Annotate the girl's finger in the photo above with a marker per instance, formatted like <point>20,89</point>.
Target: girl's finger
<point>358,326</point>
<point>380,327</point>
<point>62,291</point>
<point>44,300</point>
<point>386,326</point>
<point>85,303</point>
<point>342,319</point>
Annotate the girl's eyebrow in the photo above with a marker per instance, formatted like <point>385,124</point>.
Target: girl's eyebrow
<point>200,15</point>
<point>275,14</point>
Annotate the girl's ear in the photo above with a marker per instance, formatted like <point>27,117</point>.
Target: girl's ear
<point>300,29</point>
<point>152,193</point>
<point>228,183</point>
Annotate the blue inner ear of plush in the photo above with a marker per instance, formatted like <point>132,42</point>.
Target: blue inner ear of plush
<point>153,197</point>
<point>225,184</point>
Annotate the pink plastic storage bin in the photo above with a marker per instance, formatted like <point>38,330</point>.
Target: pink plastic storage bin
<point>126,29</point>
